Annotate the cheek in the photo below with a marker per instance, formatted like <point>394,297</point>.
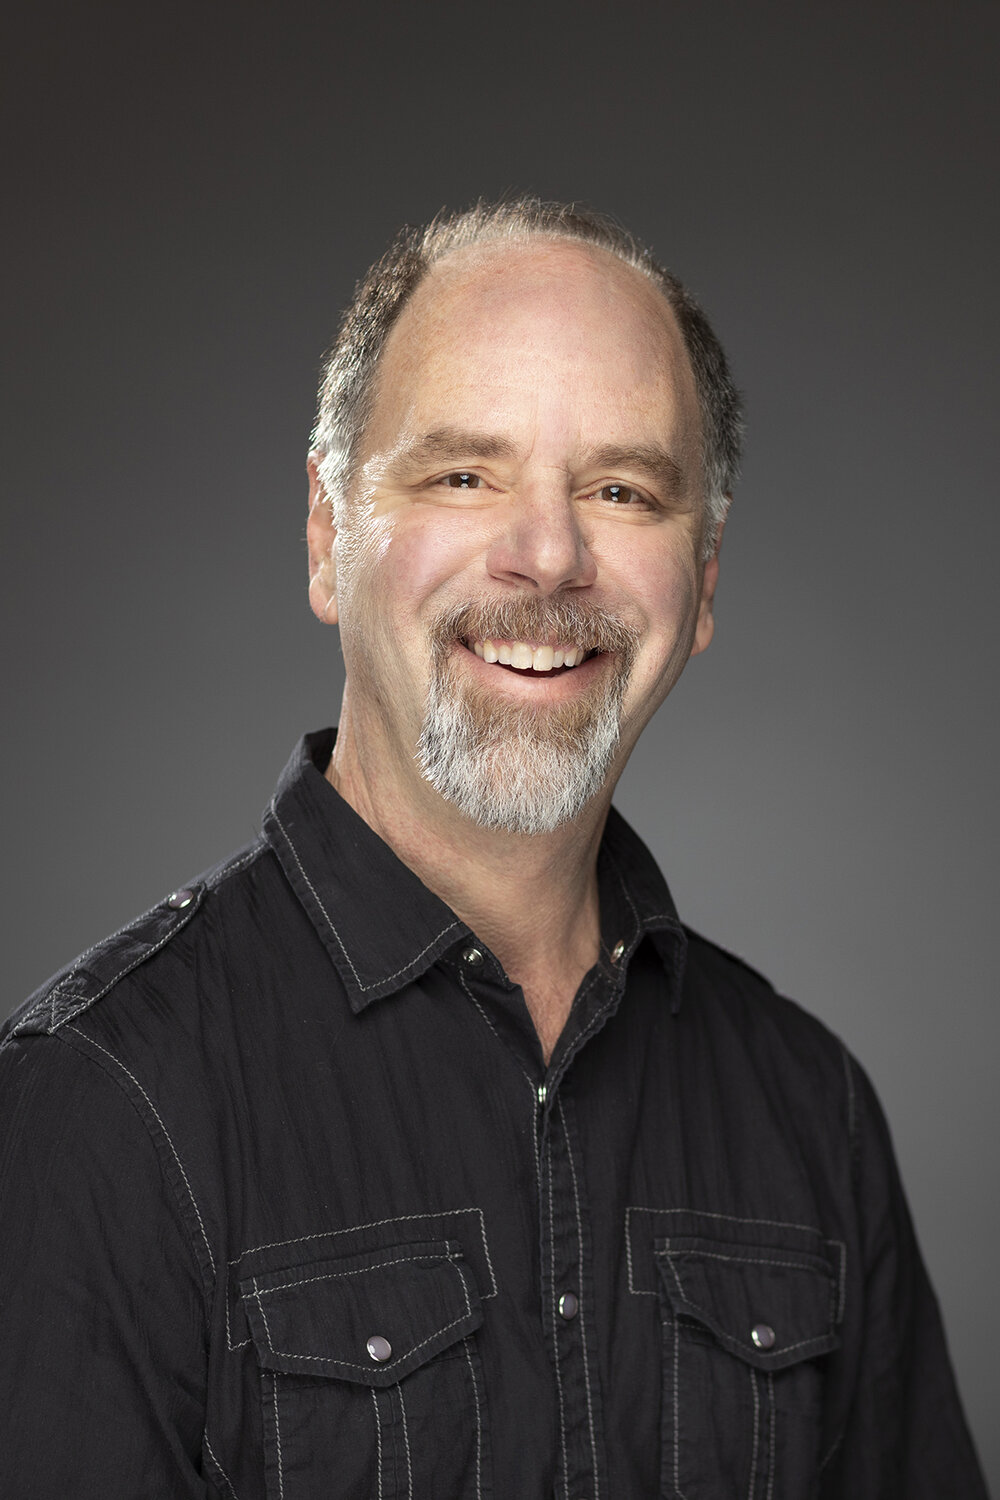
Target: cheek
<point>665,588</point>
<point>667,596</point>
<point>394,572</point>
<point>433,558</point>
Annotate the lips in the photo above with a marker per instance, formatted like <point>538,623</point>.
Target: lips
<point>540,637</point>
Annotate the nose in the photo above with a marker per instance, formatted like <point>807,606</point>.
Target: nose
<point>541,547</point>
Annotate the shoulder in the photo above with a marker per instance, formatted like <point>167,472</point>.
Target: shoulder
<point>734,998</point>
<point>187,916</point>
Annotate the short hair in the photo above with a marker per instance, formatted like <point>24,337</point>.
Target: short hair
<point>350,367</point>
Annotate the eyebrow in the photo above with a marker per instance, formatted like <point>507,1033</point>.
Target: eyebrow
<point>446,443</point>
<point>649,460</point>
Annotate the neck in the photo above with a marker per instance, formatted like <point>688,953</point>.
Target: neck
<point>532,898</point>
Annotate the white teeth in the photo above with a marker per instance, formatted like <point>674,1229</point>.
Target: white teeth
<point>522,657</point>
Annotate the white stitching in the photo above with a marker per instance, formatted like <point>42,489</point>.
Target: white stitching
<point>82,958</point>
<point>634,1208</point>
<point>555,1334</point>
<point>380,1265</point>
<point>324,1234</point>
<point>756,1433</point>
<point>751,1260</point>
<point>583,1326</point>
<point>704,1213</point>
<point>462,981</point>
<point>591,1025</point>
<point>479,1419</point>
<point>259,847</point>
<point>386,978</point>
<point>166,1132</point>
<point>677,1421</point>
<point>354,1228</point>
<point>277,1435</point>
<point>263,1315</point>
<point>349,1364</point>
<point>535,1119</point>
<point>628,1259</point>
<point>378,1441</point>
<point>133,963</point>
<point>772,1445</point>
<point>677,1279</point>
<point>134,925</point>
<point>406,1445</point>
<point>211,1454</point>
<point>243,1343</point>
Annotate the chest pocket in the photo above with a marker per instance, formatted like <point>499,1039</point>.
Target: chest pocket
<point>370,1375</point>
<point>745,1331</point>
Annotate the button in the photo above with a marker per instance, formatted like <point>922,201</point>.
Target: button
<point>379,1348</point>
<point>180,899</point>
<point>543,1093</point>
<point>762,1335</point>
<point>569,1305</point>
<point>617,951</point>
<point>473,957</point>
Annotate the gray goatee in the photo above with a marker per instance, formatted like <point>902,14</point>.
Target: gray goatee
<point>522,768</point>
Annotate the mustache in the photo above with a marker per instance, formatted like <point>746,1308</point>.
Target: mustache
<point>525,618</point>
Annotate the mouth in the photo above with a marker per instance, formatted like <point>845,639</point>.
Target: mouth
<point>530,658</point>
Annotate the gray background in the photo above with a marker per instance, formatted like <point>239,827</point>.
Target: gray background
<point>192,193</point>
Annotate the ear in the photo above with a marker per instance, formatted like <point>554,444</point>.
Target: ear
<point>705,628</point>
<point>321,534</point>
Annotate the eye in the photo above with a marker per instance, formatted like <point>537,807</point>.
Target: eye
<point>621,494</point>
<point>462,481</point>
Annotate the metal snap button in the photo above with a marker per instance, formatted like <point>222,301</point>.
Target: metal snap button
<point>762,1335</point>
<point>379,1348</point>
<point>180,899</point>
<point>473,957</point>
<point>617,951</point>
<point>569,1305</point>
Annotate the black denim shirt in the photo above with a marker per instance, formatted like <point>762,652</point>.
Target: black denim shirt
<point>293,1208</point>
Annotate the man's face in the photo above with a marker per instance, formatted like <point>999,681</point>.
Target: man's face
<point>529,490</point>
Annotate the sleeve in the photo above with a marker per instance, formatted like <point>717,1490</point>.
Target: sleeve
<point>906,1437</point>
<point>102,1299</point>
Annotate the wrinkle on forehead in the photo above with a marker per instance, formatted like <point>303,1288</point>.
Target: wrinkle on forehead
<point>548,302</point>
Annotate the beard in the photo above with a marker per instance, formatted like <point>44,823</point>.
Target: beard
<point>521,767</point>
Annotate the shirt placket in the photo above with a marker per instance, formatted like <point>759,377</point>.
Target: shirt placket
<point>568,1313</point>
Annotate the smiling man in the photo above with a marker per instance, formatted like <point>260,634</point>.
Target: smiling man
<point>419,1150</point>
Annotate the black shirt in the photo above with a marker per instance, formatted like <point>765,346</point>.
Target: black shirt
<point>293,1208</point>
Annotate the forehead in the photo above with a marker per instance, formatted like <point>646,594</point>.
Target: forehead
<point>506,325</point>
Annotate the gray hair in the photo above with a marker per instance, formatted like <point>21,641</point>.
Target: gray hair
<point>348,378</point>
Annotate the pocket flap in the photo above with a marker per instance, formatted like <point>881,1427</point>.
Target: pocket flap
<point>408,1301</point>
<point>770,1307</point>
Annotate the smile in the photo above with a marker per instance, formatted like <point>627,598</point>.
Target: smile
<point>523,656</point>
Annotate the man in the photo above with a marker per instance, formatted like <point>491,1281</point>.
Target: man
<point>419,1150</point>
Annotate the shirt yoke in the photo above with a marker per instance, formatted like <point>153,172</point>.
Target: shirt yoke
<point>92,976</point>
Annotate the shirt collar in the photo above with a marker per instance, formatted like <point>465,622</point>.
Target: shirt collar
<point>381,925</point>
